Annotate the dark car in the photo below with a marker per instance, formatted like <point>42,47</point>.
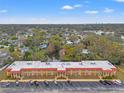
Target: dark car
<point>36,83</point>
<point>107,82</point>
<point>102,82</point>
<point>46,83</point>
<point>69,82</point>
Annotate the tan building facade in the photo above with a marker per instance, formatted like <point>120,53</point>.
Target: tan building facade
<point>60,70</point>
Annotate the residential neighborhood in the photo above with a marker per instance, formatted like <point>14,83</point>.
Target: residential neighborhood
<point>53,55</point>
<point>61,43</point>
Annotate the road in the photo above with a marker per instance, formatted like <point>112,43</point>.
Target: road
<point>61,87</point>
<point>53,91</point>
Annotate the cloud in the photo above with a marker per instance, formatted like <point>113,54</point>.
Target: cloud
<point>69,7</point>
<point>91,12</point>
<point>108,10</point>
<point>122,1</point>
<point>77,6</point>
<point>3,11</point>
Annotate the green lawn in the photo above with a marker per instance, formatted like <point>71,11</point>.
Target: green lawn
<point>120,73</point>
<point>121,66</point>
<point>2,75</point>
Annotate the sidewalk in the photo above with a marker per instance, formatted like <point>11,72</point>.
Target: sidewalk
<point>74,80</point>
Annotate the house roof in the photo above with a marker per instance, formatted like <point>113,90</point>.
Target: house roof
<point>18,65</point>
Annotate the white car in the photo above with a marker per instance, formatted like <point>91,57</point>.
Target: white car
<point>117,82</point>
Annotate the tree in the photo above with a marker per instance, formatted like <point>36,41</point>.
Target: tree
<point>40,55</point>
<point>11,48</point>
<point>51,49</point>
<point>57,41</point>
<point>73,38</point>
<point>104,49</point>
<point>71,54</point>
<point>54,46</point>
<point>14,37</point>
<point>36,39</point>
<point>35,56</point>
<point>27,56</point>
<point>16,54</point>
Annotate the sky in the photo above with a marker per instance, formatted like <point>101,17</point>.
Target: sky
<point>61,11</point>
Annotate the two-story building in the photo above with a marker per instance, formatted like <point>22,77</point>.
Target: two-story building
<point>60,70</point>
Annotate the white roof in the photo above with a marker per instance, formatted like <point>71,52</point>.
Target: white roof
<point>18,65</point>
<point>85,51</point>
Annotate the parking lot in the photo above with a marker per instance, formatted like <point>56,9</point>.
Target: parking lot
<point>61,87</point>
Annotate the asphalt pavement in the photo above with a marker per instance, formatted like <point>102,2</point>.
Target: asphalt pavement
<point>61,87</point>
